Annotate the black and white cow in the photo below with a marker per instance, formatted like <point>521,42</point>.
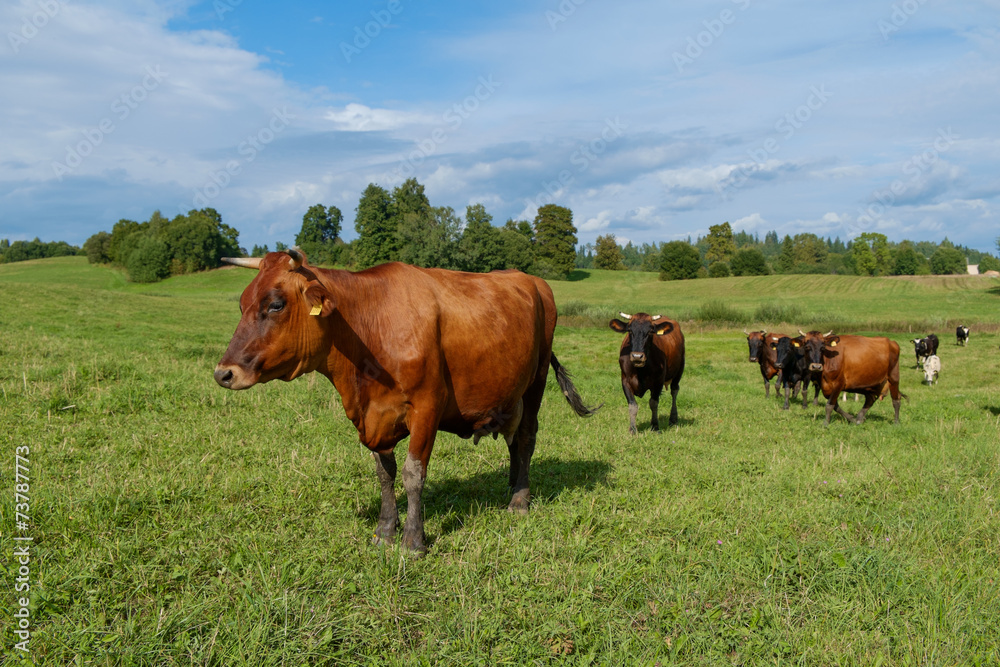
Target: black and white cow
<point>962,334</point>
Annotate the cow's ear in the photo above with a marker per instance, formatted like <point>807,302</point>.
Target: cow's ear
<point>664,328</point>
<point>618,325</point>
<point>319,299</point>
<point>796,343</point>
<point>832,341</point>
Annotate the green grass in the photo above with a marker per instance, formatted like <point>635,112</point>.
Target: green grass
<point>178,523</point>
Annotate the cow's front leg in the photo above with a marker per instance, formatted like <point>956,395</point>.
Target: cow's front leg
<point>633,408</point>
<point>869,402</point>
<point>388,518</point>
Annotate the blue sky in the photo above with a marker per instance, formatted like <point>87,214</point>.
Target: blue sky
<point>649,120</point>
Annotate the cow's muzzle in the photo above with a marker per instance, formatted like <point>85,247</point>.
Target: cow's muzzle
<point>232,377</point>
<point>753,357</point>
<point>639,359</point>
<point>815,367</point>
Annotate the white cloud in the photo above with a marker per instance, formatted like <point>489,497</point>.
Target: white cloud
<point>360,118</point>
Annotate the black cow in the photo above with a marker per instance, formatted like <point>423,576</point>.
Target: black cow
<point>791,360</point>
<point>925,347</point>
<point>962,334</point>
<point>651,355</point>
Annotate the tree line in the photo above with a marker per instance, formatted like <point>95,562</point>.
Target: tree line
<point>160,247</point>
<point>401,225</point>
<point>723,253</point>
<point>20,251</point>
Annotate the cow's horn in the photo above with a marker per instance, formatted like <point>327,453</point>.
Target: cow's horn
<point>626,316</point>
<point>247,262</point>
<point>656,317</point>
<point>801,332</point>
<point>296,257</point>
<point>828,333</point>
<point>745,331</point>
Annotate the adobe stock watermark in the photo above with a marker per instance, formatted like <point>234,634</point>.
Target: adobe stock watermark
<point>248,150</point>
<point>914,167</point>
<point>31,25</point>
<point>786,126</point>
<point>363,35</point>
<point>900,16</point>
<point>582,158</point>
<point>565,9</point>
<point>223,7</point>
<point>696,44</point>
<point>122,107</point>
<point>451,120</point>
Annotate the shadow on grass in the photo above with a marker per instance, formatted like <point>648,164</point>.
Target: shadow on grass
<point>577,275</point>
<point>462,497</point>
<point>993,409</point>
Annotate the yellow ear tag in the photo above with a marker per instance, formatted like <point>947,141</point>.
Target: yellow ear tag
<point>795,344</point>
<point>316,310</point>
<point>833,344</point>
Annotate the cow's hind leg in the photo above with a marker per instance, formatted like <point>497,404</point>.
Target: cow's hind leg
<point>388,518</point>
<point>524,444</point>
<point>675,386</point>
<point>833,404</point>
<point>869,402</point>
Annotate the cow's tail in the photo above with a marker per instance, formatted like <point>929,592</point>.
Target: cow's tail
<point>569,391</point>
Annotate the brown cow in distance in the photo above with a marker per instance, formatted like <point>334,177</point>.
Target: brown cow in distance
<point>860,364</point>
<point>762,350</point>
<point>651,355</point>
<point>411,351</point>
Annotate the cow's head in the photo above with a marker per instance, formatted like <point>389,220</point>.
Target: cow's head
<point>281,331</point>
<point>755,339</point>
<point>816,345</point>
<point>784,348</point>
<point>641,328</point>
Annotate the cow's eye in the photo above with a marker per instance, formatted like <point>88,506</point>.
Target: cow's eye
<point>275,306</point>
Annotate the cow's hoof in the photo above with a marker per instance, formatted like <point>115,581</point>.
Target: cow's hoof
<point>519,505</point>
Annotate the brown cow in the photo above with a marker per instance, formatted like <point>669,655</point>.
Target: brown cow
<point>652,354</point>
<point>860,364</point>
<point>411,351</point>
<point>762,350</point>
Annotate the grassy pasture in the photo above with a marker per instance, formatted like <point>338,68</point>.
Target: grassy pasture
<point>178,523</point>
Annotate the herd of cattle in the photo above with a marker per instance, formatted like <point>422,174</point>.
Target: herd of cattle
<point>414,351</point>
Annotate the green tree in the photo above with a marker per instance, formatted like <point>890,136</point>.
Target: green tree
<point>679,261</point>
<point>948,260</point>
<point>149,261</point>
<point>259,251</point>
<point>429,239</point>
<point>479,246</point>
<point>377,242</point>
<point>748,262</point>
<point>720,243</point>
<point>516,250</point>
<point>988,262</point>
<point>319,233</point>
<point>908,262</point>
<point>809,249</point>
<point>718,270</point>
<point>119,233</point>
<point>608,255</point>
<point>97,248</point>
<point>871,253</point>
<point>786,258</point>
<point>555,241</point>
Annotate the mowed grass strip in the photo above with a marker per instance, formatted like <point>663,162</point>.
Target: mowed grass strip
<point>177,523</point>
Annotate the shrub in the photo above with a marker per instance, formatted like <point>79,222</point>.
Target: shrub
<point>718,270</point>
<point>749,262</point>
<point>679,261</point>
<point>149,261</point>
